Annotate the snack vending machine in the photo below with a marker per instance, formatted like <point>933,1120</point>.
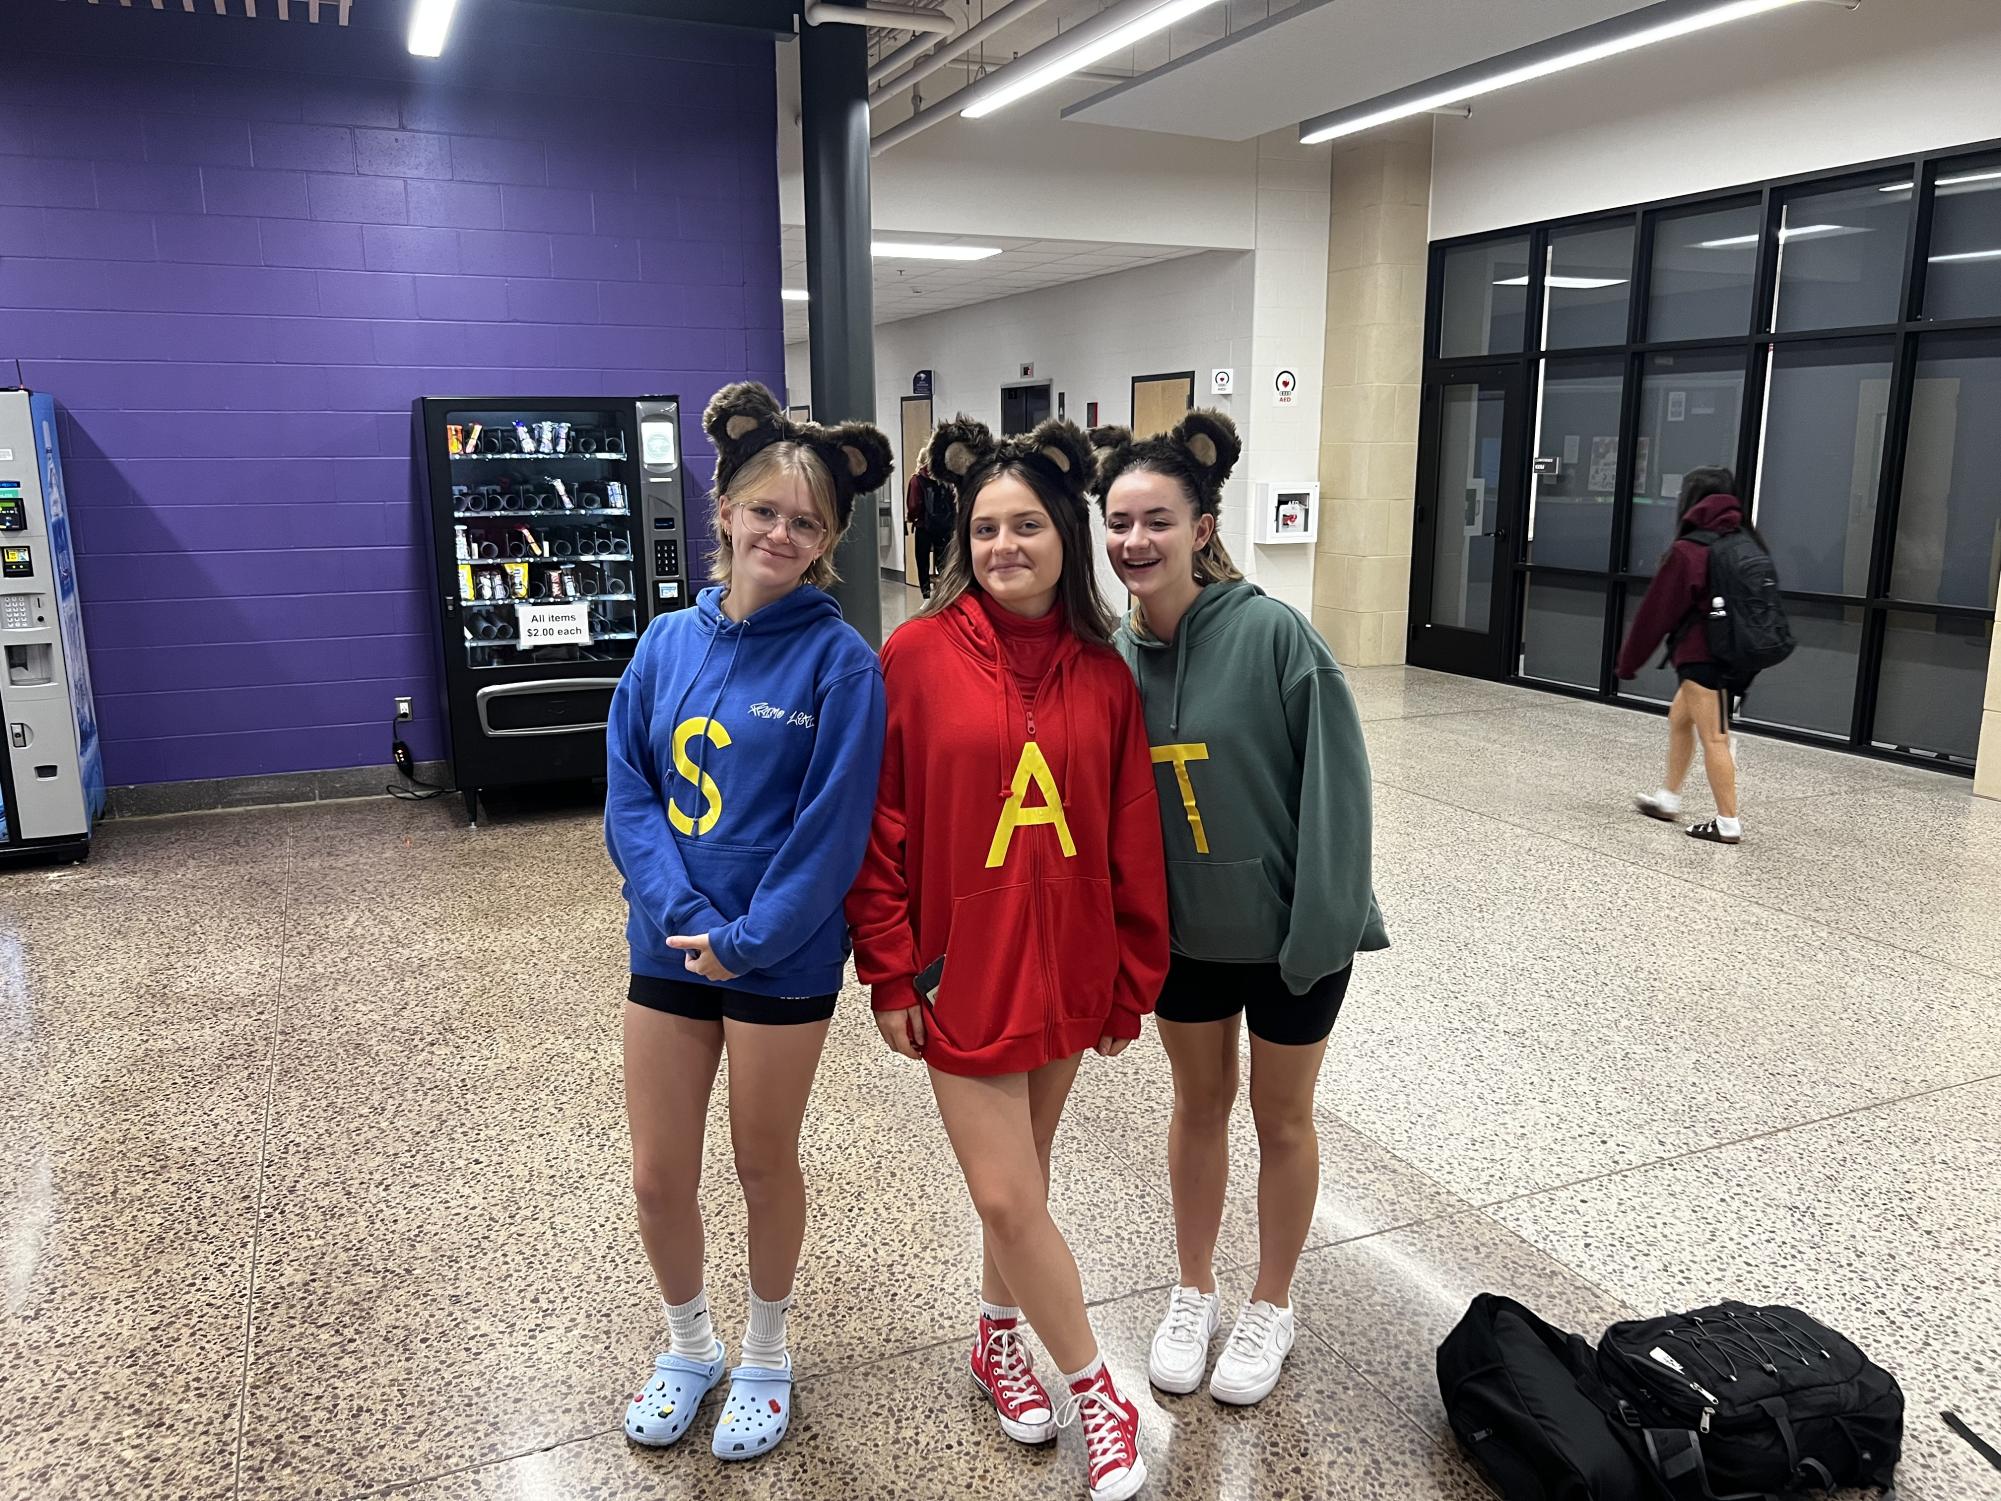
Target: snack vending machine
<point>558,531</point>
<point>52,775</point>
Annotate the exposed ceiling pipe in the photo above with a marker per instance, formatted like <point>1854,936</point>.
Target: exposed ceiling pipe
<point>883,17</point>
<point>917,46</point>
<point>970,38</point>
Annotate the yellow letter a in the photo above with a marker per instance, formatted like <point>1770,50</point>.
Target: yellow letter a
<point>1031,768</point>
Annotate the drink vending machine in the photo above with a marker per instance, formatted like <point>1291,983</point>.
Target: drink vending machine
<point>558,531</point>
<point>52,772</point>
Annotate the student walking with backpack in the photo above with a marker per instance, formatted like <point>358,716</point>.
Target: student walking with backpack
<point>745,741</point>
<point>1715,599</point>
<point>931,509</point>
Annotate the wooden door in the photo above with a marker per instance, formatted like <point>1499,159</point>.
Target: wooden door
<point>1160,401</point>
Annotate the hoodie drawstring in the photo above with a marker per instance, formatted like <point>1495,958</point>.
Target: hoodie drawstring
<point>1180,675</point>
<point>729,671</point>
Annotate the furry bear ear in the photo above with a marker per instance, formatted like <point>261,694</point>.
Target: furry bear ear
<point>1110,437</point>
<point>866,452</point>
<point>736,412</point>
<point>957,448</point>
<point>1063,443</point>
<point>1210,440</point>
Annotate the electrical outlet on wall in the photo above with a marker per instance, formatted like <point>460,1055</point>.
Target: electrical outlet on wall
<point>402,709</point>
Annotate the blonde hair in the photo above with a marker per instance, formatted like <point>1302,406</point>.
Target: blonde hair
<point>762,474</point>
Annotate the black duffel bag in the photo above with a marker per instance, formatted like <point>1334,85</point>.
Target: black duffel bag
<point>1515,1397</point>
<point>1736,1403</point>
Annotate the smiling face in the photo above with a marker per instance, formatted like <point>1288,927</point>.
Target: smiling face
<point>1152,534</point>
<point>777,530</point>
<point>1016,552</point>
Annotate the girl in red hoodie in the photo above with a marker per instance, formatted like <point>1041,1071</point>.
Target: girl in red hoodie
<point>1012,909</point>
<point>1674,608</point>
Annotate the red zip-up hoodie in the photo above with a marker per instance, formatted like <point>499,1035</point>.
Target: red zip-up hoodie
<point>1680,589</point>
<point>1018,843</point>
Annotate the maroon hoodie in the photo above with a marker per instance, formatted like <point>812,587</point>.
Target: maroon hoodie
<point>1680,588</point>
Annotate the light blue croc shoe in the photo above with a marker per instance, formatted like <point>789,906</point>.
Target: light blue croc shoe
<point>662,1411</point>
<point>756,1413</point>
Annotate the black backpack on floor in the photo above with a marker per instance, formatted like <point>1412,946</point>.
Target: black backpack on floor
<point>1512,1394</point>
<point>1734,1401</point>
<point>1749,631</point>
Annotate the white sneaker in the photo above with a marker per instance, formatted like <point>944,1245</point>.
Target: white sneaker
<point>1180,1352</point>
<point>1258,1344</point>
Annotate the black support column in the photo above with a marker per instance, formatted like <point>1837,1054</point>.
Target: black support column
<point>833,98</point>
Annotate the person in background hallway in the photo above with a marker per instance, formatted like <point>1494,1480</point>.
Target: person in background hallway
<point>1265,811</point>
<point>745,741</point>
<point>930,509</point>
<point>1673,609</point>
<point>1012,911</point>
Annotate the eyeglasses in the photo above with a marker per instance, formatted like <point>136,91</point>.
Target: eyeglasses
<point>807,531</point>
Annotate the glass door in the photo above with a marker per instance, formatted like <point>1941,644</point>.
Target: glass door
<point>542,506</point>
<point>1469,501</point>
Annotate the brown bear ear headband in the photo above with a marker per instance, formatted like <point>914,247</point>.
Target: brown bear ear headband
<point>964,454</point>
<point>1200,452</point>
<point>745,419</point>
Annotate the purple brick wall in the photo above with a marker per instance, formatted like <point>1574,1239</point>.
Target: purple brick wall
<point>236,250</point>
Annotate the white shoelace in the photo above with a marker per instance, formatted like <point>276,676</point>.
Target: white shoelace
<point>1187,1311</point>
<point>1252,1335</point>
<point>1013,1371</point>
<point>1102,1423</point>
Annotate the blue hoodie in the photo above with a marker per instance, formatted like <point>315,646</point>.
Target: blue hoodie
<point>742,766</point>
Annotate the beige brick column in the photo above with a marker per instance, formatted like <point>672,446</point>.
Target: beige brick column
<point>1987,769</point>
<point>1378,232</point>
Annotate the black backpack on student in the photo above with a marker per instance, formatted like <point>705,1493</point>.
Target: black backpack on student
<point>1736,1403</point>
<point>939,510</point>
<point>1513,1397</point>
<point>1748,631</point>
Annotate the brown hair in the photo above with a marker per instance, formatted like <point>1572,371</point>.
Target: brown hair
<point>761,474</point>
<point>1054,462</point>
<point>1197,455</point>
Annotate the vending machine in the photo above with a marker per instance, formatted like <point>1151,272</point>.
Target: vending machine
<point>52,775</point>
<point>558,531</point>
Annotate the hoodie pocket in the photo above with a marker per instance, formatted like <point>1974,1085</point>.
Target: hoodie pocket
<point>992,988</point>
<point>727,874</point>
<point>1225,909</point>
<point>1083,944</point>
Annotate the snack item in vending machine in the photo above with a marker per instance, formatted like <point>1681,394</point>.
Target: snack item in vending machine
<point>524,435</point>
<point>614,495</point>
<point>455,439</point>
<point>517,580</point>
<point>459,537</point>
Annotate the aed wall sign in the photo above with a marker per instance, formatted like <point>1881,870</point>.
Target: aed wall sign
<point>1285,388</point>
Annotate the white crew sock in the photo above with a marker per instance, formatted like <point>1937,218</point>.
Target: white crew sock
<point>999,1313</point>
<point>1075,1379</point>
<point>1667,802</point>
<point>764,1337</point>
<point>1729,826</point>
<point>689,1330</point>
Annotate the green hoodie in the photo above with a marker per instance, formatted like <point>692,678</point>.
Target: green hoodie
<point>1264,786</point>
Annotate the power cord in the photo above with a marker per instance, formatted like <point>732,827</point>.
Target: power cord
<point>419,791</point>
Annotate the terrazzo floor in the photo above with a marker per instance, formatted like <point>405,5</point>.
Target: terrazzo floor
<point>312,1157</point>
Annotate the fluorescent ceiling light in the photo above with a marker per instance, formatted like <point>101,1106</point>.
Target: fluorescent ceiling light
<point>793,294</point>
<point>1702,20</point>
<point>1968,255</point>
<point>910,250</point>
<point>1804,231</point>
<point>1583,283</point>
<point>429,21</point>
<point>1117,40</point>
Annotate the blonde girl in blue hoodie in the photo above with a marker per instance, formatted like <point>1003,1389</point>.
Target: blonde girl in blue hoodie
<point>744,747</point>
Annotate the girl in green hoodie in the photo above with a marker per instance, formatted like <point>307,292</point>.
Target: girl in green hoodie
<point>1264,802</point>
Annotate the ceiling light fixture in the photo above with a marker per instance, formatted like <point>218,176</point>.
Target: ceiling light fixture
<point>1967,255</point>
<point>429,21</point>
<point>793,294</point>
<point>1581,283</point>
<point>910,250</point>
<point>1540,62</point>
<point>1158,18</point>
